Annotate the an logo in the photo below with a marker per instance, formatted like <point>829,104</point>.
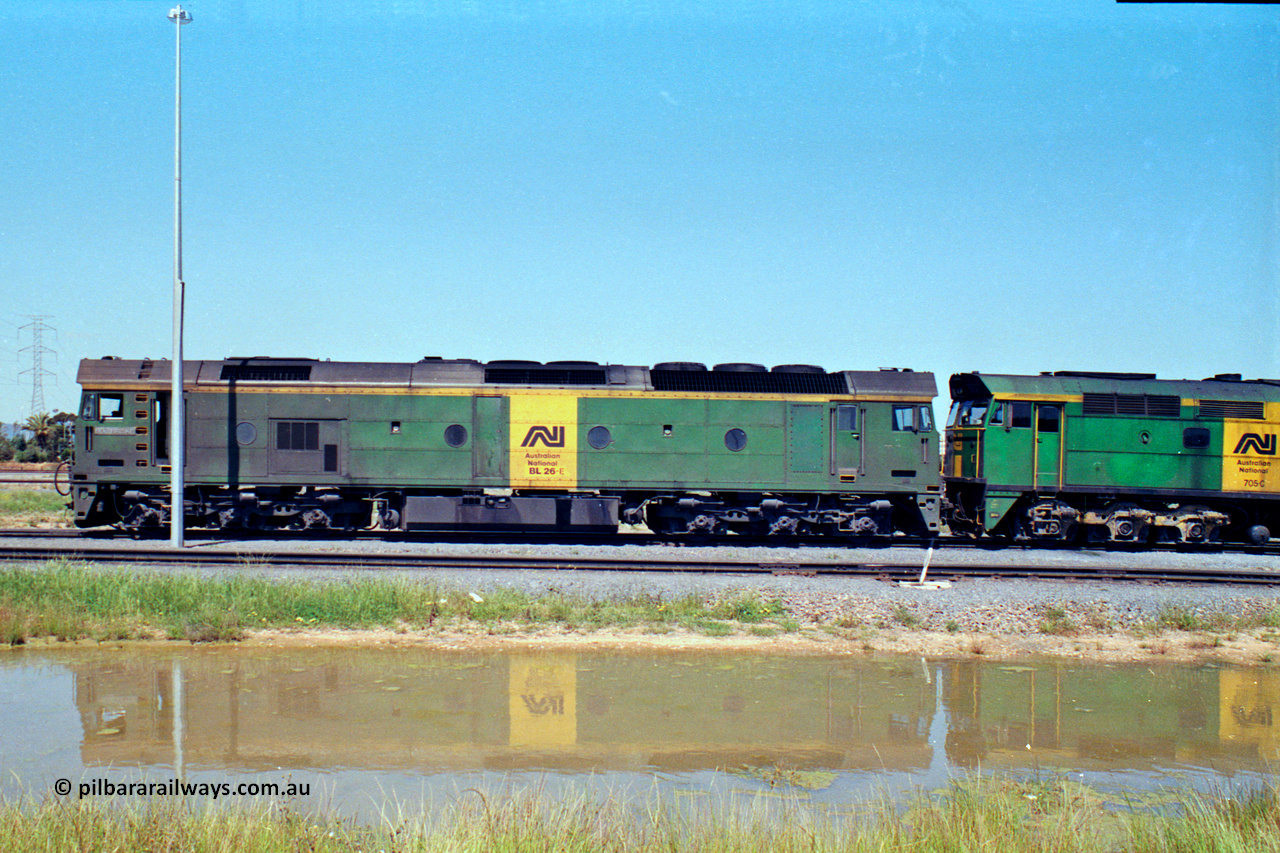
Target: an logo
<point>554,436</point>
<point>1263,445</point>
<point>543,705</point>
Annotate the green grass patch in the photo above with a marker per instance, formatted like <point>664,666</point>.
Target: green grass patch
<point>1056,621</point>
<point>904,617</point>
<point>981,814</point>
<point>71,601</point>
<point>33,507</point>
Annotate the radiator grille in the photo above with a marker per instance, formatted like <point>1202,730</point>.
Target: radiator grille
<point>1232,409</point>
<point>1155,405</point>
<point>265,372</point>
<point>728,382</point>
<point>543,376</point>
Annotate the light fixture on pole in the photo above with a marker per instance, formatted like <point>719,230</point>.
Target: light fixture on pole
<point>177,409</point>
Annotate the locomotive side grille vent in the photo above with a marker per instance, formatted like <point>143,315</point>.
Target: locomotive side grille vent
<point>1161,405</point>
<point>543,376</point>
<point>265,372</point>
<point>1232,409</point>
<point>726,382</point>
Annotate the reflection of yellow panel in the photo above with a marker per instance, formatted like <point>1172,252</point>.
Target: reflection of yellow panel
<point>1249,702</point>
<point>1249,453</point>
<point>543,701</point>
<point>544,441</point>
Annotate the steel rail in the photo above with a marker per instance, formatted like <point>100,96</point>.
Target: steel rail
<point>942,543</point>
<point>885,570</point>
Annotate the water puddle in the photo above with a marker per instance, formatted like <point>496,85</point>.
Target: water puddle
<point>362,727</point>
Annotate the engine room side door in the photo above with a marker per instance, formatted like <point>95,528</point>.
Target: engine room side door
<point>489,445</point>
<point>846,441</point>
<point>806,441</point>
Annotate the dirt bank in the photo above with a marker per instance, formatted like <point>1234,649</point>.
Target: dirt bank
<point>1257,648</point>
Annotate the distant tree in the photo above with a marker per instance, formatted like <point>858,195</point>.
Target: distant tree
<point>6,449</point>
<point>62,436</point>
<point>41,427</point>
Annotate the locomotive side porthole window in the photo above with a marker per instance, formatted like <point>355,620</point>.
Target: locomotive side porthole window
<point>599,437</point>
<point>1194,438</point>
<point>395,427</point>
<point>455,435</point>
<point>735,439</point>
<point>847,418</point>
<point>110,407</point>
<point>246,433</point>
<point>666,429</point>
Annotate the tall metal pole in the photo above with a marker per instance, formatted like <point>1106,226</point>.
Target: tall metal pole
<point>177,409</point>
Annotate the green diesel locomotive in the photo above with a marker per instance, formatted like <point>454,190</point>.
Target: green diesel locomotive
<point>456,444</point>
<point>1111,457</point>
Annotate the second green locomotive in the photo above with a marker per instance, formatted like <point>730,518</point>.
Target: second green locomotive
<point>1110,457</point>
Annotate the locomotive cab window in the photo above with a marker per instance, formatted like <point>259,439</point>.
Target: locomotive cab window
<point>967,413</point>
<point>1047,418</point>
<point>903,419</point>
<point>110,407</point>
<point>1020,418</point>
<point>997,415</point>
<point>89,408</point>
<point>924,418</point>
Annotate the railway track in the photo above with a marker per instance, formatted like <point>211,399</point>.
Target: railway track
<point>244,555</point>
<point>942,543</point>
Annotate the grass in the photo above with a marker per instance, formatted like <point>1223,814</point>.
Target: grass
<point>70,601</point>
<point>975,814</point>
<point>905,617</point>
<point>1056,621</point>
<point>33,508</point>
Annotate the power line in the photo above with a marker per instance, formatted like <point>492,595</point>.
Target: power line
<point>38,351</point>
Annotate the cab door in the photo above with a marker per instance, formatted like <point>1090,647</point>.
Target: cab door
<point>846,442</point>
<point>1048,446</point>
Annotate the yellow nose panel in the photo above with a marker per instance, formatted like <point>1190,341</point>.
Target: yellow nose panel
<point>1249,458</point>
<point>544,441</point>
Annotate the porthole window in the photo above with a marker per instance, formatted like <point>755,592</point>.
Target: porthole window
<point>455,435</point>
<point>735,439</point>
<point>246,433</point>
<point>599,437</point>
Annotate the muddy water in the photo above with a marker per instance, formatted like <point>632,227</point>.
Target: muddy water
<point>361,727</point>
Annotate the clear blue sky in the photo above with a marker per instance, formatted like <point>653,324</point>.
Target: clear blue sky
<point>1000,186</point>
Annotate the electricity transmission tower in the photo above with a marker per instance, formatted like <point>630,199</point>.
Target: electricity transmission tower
<point>38,350</point>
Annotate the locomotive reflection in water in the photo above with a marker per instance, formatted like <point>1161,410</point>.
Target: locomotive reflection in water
<point>423,713</point>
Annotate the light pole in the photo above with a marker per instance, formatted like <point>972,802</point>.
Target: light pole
<point>177,410</point>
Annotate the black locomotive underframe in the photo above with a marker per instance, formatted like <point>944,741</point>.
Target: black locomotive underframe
<point>140,507</point>
<point>1125,512</point>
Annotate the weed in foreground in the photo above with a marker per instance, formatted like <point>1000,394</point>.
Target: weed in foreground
<point>980,813</point>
